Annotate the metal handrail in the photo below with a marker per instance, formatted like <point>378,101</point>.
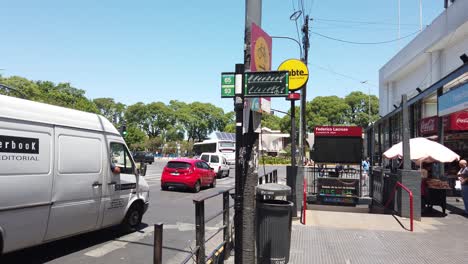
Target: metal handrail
<point>200,221</point>
<point>410,193</point>
<point>271,177</point>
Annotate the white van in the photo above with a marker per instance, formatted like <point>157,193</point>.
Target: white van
<point>62,172</point>
<point>218,162</point>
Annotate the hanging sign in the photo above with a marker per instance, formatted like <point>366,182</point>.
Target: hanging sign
<point>272,84</point>
<point>227,84</point>
<point>298,73</point>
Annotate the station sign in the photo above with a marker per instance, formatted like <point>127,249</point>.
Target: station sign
<point>228,85</point>
<point>338,131</point>
<point>269,84</point>
<point>298,73</point>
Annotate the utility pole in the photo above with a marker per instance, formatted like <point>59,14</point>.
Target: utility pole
<point>302,125</point>
<point>249,151</point>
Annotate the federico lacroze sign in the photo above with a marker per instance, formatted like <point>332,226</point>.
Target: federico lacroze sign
<point>270,84</point>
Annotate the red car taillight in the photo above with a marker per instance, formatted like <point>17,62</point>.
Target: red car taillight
<point>190,170</point>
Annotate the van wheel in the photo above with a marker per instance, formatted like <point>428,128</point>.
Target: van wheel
<point>197,187</point>
<point>132,218</point>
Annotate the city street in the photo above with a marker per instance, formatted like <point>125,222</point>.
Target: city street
<point>174,208</point>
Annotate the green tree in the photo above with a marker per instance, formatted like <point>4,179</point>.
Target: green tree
<point>271,121</point>
<point>110,109</point>
<point>326,110</point>
<point>358,111</point>
<point>135,137</point>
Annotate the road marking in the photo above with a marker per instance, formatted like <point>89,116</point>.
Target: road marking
<point>120,242</point>
<point>189,227</point>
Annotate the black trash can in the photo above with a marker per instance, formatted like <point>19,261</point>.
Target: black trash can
<point>273,223</point>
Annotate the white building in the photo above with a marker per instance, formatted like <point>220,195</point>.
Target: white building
<point>432,66</point>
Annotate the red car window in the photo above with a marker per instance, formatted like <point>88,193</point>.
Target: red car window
<point>178,165</point>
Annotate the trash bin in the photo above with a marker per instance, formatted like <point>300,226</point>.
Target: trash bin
<point>273,223</point>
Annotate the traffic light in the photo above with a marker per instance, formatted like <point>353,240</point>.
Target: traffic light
<point>123,129</point>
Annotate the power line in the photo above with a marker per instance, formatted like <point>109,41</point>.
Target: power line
<point>361,22</point>
<point>343,75</point>
<point>363,43</point>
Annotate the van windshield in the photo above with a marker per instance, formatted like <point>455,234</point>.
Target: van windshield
<point>178,165</point>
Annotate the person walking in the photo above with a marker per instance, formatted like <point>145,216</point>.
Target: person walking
<point>365,169</point>
<point>463,178</point>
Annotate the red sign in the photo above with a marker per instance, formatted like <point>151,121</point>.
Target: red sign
<point>454,122</point>
<point>338,131</point>
<point>459,121</point>
<point>428,125</point>
<point>260,54</point>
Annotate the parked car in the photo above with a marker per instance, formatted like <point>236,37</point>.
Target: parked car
<point>218,162</point>
<point>141,156</point>
<point>188,173</point>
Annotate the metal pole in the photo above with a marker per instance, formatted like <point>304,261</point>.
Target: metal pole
<point>200,231</point>
<point>253,14</point>
<point>293,134</point>
<point>226,234</point>
<point>406,134</point>
<point>157,245</point>
<point>303,123</point>
<point>239,108</point>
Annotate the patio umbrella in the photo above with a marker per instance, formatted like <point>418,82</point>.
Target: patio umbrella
<point>423,150</point>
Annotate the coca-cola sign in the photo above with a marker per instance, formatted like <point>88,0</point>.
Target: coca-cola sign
<point>459,121</point>
<point>428,125</point>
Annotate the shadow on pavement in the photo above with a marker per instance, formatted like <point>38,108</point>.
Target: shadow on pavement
<point>56,249</point>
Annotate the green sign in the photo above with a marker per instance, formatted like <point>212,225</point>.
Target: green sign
<point>227,84</point>
<point>266,84</point>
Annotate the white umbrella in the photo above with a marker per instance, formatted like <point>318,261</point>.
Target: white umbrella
<point>423,150</point>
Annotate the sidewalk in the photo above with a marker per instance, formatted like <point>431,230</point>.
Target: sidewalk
<point>349,237</point>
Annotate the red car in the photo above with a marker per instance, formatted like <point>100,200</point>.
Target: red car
<point>188,173</point>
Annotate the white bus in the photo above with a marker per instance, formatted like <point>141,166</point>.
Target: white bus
<point>225,147</point>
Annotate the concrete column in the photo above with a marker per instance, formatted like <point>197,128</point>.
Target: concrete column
<point>412,180</point>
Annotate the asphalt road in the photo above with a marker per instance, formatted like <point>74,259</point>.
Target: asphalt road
<point>174,208</point>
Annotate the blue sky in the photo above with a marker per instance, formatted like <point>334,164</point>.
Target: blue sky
<point>163,50</point>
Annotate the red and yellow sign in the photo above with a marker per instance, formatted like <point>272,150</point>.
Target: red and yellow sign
<point>260,52</point>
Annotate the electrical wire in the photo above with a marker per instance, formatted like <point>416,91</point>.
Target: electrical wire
<point>361,22</point>
<point>342,75</point>
<point>363,43</point>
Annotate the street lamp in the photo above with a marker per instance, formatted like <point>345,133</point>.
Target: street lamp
<point>368,95</point>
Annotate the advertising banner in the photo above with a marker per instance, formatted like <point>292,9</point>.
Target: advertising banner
<point>260,50</point>
<point>453,101</point>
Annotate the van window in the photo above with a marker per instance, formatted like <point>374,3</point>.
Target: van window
<point>121,158</point>
<point>214,159</point>
<point>79,154</point>
<point>205,158</point>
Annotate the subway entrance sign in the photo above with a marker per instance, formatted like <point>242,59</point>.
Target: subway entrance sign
<point>298,73</point>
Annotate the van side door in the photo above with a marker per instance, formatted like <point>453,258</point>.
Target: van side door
<point>77,188</point>
<point>120,186</point>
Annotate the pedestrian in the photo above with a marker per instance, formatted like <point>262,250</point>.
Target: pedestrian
<point>365,171</point>
<point>463,178</point>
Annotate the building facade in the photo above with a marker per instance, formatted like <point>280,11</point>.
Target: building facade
<point>432,70</point>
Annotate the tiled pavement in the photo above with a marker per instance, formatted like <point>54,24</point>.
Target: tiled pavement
<point>348,238</point>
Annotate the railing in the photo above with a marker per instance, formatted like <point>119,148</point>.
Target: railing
<point>311,174</point>
<point>410,193</point>
<point>271,177</point>
<point>304,202</point>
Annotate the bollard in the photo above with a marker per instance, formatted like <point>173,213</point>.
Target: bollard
<point>157,246</point>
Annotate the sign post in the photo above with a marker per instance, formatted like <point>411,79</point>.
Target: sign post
<point>227,84</point>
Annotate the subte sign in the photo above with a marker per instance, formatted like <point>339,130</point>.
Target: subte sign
<point>298,73</point>
<point>227,85</point>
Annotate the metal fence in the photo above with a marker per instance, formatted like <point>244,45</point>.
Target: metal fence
<point>382,184</point>
<point>312,174</point>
